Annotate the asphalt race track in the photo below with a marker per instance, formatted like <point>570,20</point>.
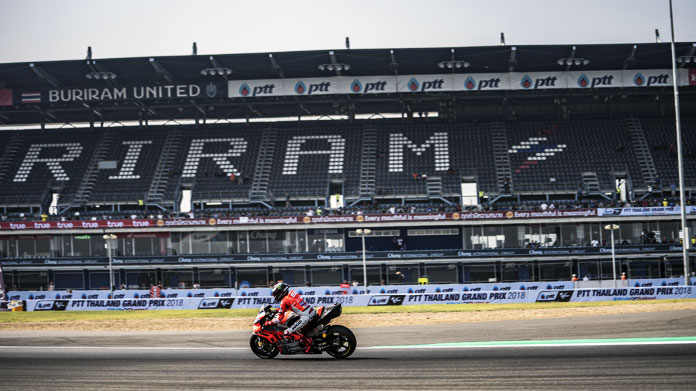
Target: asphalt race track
<point>218,360</point>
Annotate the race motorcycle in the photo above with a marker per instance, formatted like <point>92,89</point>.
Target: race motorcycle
<point>268,341</point>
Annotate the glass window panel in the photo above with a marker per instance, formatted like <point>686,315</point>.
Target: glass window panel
<point>479,272</point>
<point>441,273</point>
<point>374,275</point>
<point>278,242</point>
<point>589,269</point>
<point>406,274</point>
<point>143,246</point>
<point>252,278</point>
<point>26,247</point>
<point>43,246</point>
<point>214,278</point>
<point>555,271</point>
<point>200,242</point>
<point>518,271</point>
<point>219,243</point>
<point>81,245</point>
<point>68,280</point>
<point>292,276</point>
<point>98,245</point>
<point>258,242</point>
<point>140,279</point>
<point>30,281</point>
<point>177,278</point>
<point>326,275</point>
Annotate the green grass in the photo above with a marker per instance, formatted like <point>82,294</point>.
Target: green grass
<point>90,316</point>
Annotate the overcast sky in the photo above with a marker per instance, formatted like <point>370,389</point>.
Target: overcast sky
<point>43,30</point>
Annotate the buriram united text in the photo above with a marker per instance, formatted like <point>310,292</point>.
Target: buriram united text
<point>122,93</point>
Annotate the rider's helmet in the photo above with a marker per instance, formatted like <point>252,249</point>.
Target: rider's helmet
<point>280,291</point>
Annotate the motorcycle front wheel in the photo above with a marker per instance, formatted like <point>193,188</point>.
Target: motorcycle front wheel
<point>262,347</point>
<point>341,340</point>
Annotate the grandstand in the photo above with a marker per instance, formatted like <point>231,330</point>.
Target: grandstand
<point>278,136</point>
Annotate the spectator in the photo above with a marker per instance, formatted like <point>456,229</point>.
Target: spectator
<point>196,285</point>
<point>51,286</point>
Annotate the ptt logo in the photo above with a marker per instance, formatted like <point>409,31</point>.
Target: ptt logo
<point>438,290</point>
<point>208,303</point>
<point>302,89</point>
<point>245,90</point>
<point>547,296</point>
<point>356,86</point>
<point>416,86</point>
<point>471,84</point>
<point>641,81</point>
<point>388,291</point>
<point>44,306</point>
<point>585,82</point>
<point>639,285</point>
<point>411,290</point>
<point>528,83</point>
<point>172,295</point>
<point>379,300</point>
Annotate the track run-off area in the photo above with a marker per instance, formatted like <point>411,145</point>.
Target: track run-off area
<point>651,350</point>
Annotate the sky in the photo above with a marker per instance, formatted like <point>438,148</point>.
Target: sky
<point>48,30</point>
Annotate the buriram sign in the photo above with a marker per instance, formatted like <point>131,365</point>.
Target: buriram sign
<point>457,82</point>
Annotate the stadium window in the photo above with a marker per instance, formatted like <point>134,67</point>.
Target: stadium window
<point>431,232</point>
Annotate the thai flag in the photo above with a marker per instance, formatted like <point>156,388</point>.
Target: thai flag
<point>31,97</point>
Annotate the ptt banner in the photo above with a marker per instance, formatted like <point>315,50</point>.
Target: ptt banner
<point>648,78</point>
<point>594,79</point>
<point>426,83</point>
<point>538,81</point>
<point>647,211</point>
<point>482,82</point>
<point>492,297</point>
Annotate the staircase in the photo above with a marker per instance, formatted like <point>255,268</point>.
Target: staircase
<point>158,187</point>
<point>89,180</point>
<point>368,164</point>
<point>641,150</point>
<point>262,172</point>
<point>10,155</point>
<point>590,182</point>
<point>503,172</point>
<point>434,187</point>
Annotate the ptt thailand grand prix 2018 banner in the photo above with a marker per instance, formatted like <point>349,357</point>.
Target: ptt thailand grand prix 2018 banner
<point>493,297</point>
<point>559,291</point>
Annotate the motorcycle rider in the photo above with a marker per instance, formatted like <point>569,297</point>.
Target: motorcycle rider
<point>291,301</point>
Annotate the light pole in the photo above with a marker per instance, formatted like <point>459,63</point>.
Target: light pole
<point>680,156</point>
<point>362,233</point>
<point>612,227</point>
<point>108,238</point>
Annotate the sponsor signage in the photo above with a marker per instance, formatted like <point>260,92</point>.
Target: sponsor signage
<point>208,222</point>
<point>513,296</point>
<point>348,256</point>
<point>458,82</point>
<point>209,90</point>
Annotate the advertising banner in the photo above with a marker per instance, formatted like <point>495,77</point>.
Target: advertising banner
<point>647,78</point>
<point>209,90</point>
<point>426,83</point>
<point>594,79</point>
<point>647,211</point>
<point>538,81</point>
<point>482,82</point>
<point>285,220</point>
<point>492,297</point>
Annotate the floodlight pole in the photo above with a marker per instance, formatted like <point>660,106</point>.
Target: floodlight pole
<point>686,238</point>
<point>613,255</point>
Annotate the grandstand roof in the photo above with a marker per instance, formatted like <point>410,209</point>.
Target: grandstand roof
<point>302,64</point>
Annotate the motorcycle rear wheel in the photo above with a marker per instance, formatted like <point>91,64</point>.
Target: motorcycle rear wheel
<point>341,340</point>
<point>262,347</point>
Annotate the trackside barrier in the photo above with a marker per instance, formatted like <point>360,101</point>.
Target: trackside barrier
<point>517,296</point>
<point>335,290</point>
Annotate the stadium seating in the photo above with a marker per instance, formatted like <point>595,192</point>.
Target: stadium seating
<point>545,156</point>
